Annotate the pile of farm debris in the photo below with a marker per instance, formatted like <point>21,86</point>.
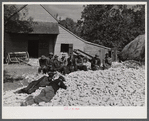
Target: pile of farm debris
<point>121,85</point>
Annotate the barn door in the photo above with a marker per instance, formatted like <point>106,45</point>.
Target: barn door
<point>70,49</point>
<point>33,48</point>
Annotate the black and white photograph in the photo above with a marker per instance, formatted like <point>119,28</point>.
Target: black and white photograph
<point>74,56</point>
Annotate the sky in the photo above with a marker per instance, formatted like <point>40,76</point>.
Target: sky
<point>71,11</point>
<point>64,11</point>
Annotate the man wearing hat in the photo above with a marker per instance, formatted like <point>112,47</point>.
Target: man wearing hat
<point>56,63</point>
<point>34,85</point>
<point>95,63</point>
<point>86,63</point>
<point>63,61</point>
<point>42,64</point>
<point>58,66</point>
<point>50,62</point>
<point>71,63</point>
<point>79,63</point>
<point>107,62</point>
<point>47,93</point>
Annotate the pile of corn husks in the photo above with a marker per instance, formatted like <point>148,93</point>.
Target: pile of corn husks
<point>117,86</point>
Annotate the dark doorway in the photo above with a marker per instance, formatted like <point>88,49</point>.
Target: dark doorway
<point>64,48</point>
<point>33,48</point>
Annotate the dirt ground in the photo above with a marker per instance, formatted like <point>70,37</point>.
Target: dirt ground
<point>14,75</point>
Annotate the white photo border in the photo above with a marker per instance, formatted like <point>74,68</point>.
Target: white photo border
<point>87,112</point>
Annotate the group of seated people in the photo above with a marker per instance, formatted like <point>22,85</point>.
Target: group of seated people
<point>71,64</point>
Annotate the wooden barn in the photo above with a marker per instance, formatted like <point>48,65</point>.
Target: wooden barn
<point>49,37</point>
<point>39,42</point>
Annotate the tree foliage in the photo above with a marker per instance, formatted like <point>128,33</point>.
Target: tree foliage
<point>112,25</point>
<point>17,21</point>
<point>69,24</point>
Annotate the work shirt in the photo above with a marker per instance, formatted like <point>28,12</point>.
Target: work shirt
<point>44,81</point>
<point>79,61</point>
<point>95,62</point>
<point>34,85</point>
<point>56,63</point>
<point>71,61</point>
<point>49,62</point>
<point>63,61</point>
<point>107,63</point>
<point>42,62</point>
<point>87,64</point>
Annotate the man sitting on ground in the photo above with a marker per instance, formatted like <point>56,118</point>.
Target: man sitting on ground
<point>49,63</point>
<point>86,63</point>
<point>42,63</point>
<point>59,66</point>
<point>107,62</point>
<point>79,63</point>
<point>63,61</point>
<point>56,63</point>
<point>95,63</point>
<point>47,93</point>
<point>71,64</point>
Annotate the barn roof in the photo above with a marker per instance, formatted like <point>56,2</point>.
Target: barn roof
<point>45,28</point>
<point>39,28</point>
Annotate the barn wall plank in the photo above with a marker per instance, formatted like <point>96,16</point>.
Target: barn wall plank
<point>66,38</point>
<point>92,50</point>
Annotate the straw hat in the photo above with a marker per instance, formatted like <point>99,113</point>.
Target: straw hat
<point>50,53</point>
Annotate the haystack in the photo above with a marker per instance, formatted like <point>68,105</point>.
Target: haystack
<point>135,50</point>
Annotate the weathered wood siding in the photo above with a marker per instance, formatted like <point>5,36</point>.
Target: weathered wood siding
<point>66,38</point>
<point>93,49</point>
<point>15,43</point>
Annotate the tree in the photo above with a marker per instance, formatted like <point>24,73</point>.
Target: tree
<point>112,25</point>
<point>16,21</point>
<point>69,24</point>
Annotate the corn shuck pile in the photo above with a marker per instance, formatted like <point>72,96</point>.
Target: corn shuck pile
<point>117,86</point>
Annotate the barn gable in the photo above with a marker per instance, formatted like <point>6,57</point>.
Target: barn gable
<point>67,39</point>
<point>38,13</point>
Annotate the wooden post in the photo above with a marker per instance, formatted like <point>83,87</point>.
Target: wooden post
<point>114,54</point>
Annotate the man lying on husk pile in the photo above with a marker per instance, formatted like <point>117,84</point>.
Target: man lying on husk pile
<point>42,82</point>
<point>47,93</point>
